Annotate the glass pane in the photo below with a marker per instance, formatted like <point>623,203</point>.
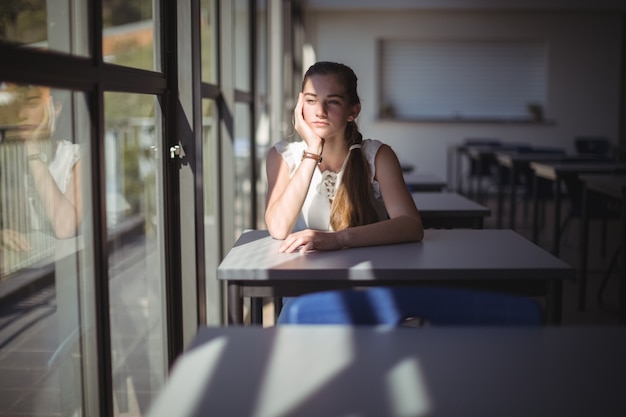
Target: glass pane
<point>46,278</point>
<point>211,207</point>
<point>262,124</point>
<point>129,37</point>
<point>134,220</point>
<point>45,24</point>
<point>207,40</point>
<point>243,170</point>
<point>242,45</point>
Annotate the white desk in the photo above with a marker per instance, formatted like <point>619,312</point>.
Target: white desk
<point>424,182</point>
<point>306,371</point>
<point>485,258</point>
<point>449,210</point>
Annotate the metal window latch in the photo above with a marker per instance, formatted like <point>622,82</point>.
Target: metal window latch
<point>175,151</point>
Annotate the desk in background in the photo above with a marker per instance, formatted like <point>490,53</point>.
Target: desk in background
<point>500,260</point>
<point>484,158</point>
<point>424,182</point>
<point>376,371</point>
<point>611,186</point>
<point>448,210</point>
<point>517,163</point>
<point>557,172</point>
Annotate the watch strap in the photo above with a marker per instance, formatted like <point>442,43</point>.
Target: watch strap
<point>313,156</point>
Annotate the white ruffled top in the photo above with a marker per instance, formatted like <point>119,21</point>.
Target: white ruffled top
<point>315,212</point>
<point>67,154</point>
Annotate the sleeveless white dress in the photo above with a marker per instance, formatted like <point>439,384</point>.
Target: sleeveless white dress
<point>315,212</point>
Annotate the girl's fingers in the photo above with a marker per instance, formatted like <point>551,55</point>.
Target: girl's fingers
<point>306,248</point>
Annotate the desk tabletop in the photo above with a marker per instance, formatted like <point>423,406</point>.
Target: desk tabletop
<point>442,204</point>
<point>465,254</point>
<point>423,178</point>
<point>379,371</point>
<point>507,158</point>
<point>481,150</point>
<point>550,169</point>
<point>613,185</point>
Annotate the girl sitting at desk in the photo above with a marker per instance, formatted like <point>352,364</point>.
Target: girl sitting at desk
<point>334,189</point>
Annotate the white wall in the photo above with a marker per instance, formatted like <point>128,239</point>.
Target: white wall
<point>583,84</point>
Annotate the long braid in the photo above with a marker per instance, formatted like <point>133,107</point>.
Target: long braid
<point>352,205</point>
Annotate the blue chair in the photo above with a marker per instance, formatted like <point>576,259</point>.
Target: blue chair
<point>393,306</point>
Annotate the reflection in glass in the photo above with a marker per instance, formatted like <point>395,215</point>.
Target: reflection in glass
<point>211,226</point>
<point>46,288</point>
<point>44,24</point>
<point>128,37</point>
<point>207,40</point>
<point>242,44</point>
<point>133,178</point>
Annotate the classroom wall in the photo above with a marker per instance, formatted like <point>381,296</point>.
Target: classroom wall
<point>583,81</point>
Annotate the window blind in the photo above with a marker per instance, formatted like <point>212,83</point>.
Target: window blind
<point>462,79</point>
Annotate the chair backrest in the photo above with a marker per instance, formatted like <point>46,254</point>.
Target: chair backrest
<point>483,141</point>
<point>596,146</point>
<point>392,306</point>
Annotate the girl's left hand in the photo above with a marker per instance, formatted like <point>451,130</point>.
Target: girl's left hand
<point>309,240</point>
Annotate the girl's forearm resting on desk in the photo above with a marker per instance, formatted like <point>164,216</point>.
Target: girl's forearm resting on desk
<point>397,230</point>
<point>401,229</point>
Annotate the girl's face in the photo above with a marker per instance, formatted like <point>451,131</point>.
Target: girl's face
<point>325,107</point>
<point>36,112</point>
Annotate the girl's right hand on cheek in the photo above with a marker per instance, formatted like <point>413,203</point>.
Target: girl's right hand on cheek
<point>313,141</point>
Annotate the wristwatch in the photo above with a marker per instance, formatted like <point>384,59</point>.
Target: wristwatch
<point>313,156</point>
<point>37,157</point>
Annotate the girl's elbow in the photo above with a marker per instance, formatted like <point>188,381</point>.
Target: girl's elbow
<point>418,228</point>
<point>419,236</point>
<point>276,231</point>
<point>65,233</point>
<point>277,234</point>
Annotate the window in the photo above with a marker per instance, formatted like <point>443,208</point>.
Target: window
<point>463,80</point>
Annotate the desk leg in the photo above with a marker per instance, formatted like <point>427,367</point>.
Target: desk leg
<point>256,310</point>
<point>622,283</point>
<point>584,236</point>
<point>500,209</point>
<point>512,174</point>
<point>450,168</point>
<point>235,303</point>
<point>557,218</point>
<point>554,302</point>
<point>535,209</point>
<point>278,306</point>
<point>459,172</point>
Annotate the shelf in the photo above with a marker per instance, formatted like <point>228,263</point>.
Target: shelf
<point>472,120</point>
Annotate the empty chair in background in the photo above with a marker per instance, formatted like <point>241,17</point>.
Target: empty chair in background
<point>394,306</point>
<point>483,168</point>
